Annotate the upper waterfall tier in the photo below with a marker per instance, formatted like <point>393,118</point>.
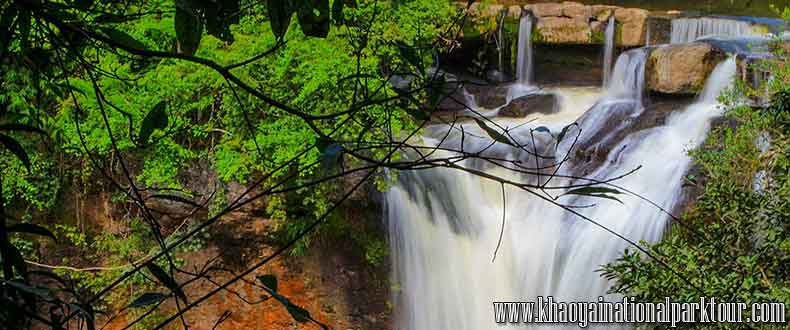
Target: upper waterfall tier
<point>691,29</point>
<point>575,23</point>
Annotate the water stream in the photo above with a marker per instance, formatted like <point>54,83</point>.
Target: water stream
<point>691,29</point>
<point>608,49</point>
<point>444,224</point>
<point>524,58</point>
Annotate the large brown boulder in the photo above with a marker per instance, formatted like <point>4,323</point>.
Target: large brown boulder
<point>681,68</point>
<point>633,25</point>
<point>528,104</point>
<point>564,30</point>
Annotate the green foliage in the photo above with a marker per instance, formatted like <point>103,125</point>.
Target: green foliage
<point>109,110</point>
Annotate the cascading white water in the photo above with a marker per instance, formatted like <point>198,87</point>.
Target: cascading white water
<point>627,81</point>
<point>444,224</point>
<point>608,50</point>
<point>691,29</point>
<point>524,59</point>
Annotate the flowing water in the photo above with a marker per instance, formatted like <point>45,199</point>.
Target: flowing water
<point>608,50</point>
<point>524,59</point>
<point>691,29</point>
<point>445,224</point>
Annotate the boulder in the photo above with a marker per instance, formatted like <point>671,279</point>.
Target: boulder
<point>545,9</point>
<point>681,68</point>
<point>564,30</point>
<point>488,96</point>
<point>528,104</point>
<point>576,10</point>
<point>633,25</point>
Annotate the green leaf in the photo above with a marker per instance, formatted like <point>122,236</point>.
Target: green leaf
<point>113,18</point>
<point>189,30</point>
<point>166,280</point>
<point>542,129</point>
<point>6,32</point>
<point>269,281</point>
<point>298,313</point>
<point>23,25</point>
<point>314,17</point>
<point>122,38</point>
<point>280,13</point>
<point>15,148</point>
<point>155,119</point>
<point>41,292</point>
<point>592,190</point>
<point>14,258</point>
<point>331,152</point>
<point>564,132</point>
<point>337,11</point>
<point>148,298</point>
<point>418,115</point>
<point>21,128</point>
<point>31,229</point>
<point>82,4</point>
<point>596,192</point>
<point>409,54</point>
<point>494,134</point>
<point>437,92</point>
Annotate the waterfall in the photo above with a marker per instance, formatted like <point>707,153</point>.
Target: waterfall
<point>691,29</point>
<point>444,224</point>
<point>608,49</point>
<point>500,42</point>
<point>524,59</point>
<point>627,81</point>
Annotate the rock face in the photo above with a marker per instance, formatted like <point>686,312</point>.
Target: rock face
<point>545,9</point>
<point>564,30</point>
<point>681,68</point>
<point>488,96</point>
<point>633,25</point>
<point>659,30</point>
<point>528,104</point>
<point>575,23</point>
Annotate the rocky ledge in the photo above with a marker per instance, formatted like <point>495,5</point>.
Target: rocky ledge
<point>575,23</point>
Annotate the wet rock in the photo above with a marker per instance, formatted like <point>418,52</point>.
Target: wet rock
<point>497,76</point>
<point>660,30</point>
<point>681,68</point>
<point>452,102</point>
<point>488,96</point>
<point>634,25</point>
<point>528,104</point>
<point>564,30</point>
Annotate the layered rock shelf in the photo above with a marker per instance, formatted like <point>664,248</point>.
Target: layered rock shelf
<point>575,23</point>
